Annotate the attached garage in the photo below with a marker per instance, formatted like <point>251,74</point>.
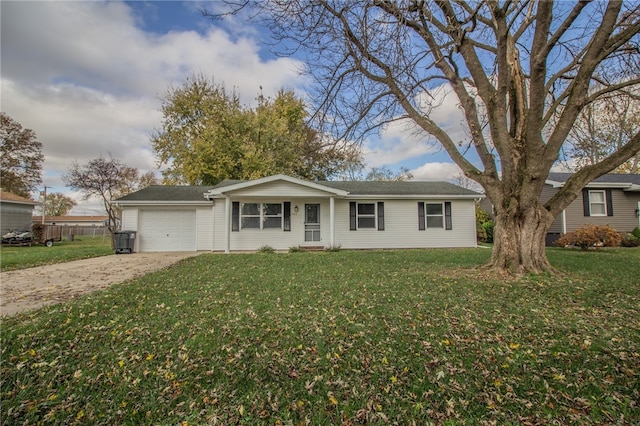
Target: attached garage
<point>169,218</point>
<point>167,230</point>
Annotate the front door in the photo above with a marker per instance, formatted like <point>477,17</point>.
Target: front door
<point>312,222</point>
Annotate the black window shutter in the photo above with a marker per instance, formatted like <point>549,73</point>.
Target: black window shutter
<point>287,216</point>
<point>235,216</point>
<point>609,196</point>
<point>352,215</point>
<point>447,215</point>
<point>585,202</point>
<point>380,216</point>
<point>420,216</point>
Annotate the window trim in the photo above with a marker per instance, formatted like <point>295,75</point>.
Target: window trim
<point>447,220</point>
<point>427,215</point>
<point>377,215</point>
<point>602,203</point>
<point>366,216</point>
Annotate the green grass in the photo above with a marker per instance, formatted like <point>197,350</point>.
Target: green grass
<point>336,338</point>
<point>82,247</point>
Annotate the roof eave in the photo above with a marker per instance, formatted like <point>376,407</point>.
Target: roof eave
<point>416,196</point>
<point>225,190</point>
<point>621,185</point>
<point>129,203</point>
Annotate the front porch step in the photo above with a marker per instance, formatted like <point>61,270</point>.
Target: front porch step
<point>312,248</point>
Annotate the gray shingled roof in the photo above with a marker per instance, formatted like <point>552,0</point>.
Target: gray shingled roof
<point>398,188</point>
<point>168,193</point>
<point>608,178</point>
<point>196,193</point>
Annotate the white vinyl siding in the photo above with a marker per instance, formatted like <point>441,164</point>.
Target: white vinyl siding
<point>401,227</point>
<point>252,239</point>
<point>204,228</point>
<point>129,219</point>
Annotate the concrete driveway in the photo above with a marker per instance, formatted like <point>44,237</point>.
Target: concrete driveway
<point>44,285</point>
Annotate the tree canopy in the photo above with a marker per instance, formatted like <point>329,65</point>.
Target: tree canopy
<point>522,72</point>
<point>106,179</point>
<point>20,158</point>
<point>57,204</point>
<point>602,128</point>
<point>208,136</point>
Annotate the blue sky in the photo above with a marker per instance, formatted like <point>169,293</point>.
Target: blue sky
<point>86,76</point>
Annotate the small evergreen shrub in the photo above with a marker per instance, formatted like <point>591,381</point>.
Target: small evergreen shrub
<point>266,249</point>
<point>591,236</point>
<point>483,222</point>
<point>636,232</point>
<point>295,249</point>
<point>487,227</point>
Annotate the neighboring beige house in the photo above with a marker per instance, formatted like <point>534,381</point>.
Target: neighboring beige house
<point>72,220</point>
<point>612,199</point>
<point>283,212</point>
<point>15,212</point>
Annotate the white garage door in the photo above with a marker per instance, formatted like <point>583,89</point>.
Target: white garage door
<point>167,230</point>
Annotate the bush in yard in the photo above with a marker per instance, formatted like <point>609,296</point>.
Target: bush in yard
<point>630,240</point>
<point>266,249</point>
<point>591,236</point>
<point>484,226</point>
<point>488,230</point>
<point>636,232</point>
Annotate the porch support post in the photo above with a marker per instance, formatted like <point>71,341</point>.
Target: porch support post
<point>227,224</point>
<point>332,221</point>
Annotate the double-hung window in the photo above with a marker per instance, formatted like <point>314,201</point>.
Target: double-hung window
<point>272,216</point>
<point>366,216</point>
<point>597,203</point>
<point>434,215</point>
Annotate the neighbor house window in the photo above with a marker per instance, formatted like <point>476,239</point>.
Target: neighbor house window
<point>597,203</point>
<point>366,216</point>
<point>260,216</point>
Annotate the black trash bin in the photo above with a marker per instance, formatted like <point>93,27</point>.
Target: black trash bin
<point>125,241</point>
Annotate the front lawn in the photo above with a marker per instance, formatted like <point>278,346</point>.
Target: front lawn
<point>336,338</point>
<point>83,247</point>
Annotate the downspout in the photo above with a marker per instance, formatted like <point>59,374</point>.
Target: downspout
<point>227,224</point>
<point>332,221</point>
<point>213,225</point>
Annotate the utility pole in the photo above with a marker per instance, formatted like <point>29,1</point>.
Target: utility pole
<point>44,202</point>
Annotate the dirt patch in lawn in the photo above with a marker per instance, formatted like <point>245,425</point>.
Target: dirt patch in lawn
<point>33,288</point>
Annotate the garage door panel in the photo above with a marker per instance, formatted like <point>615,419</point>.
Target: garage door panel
<point>167,230</point>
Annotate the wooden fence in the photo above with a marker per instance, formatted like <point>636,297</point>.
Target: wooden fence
<point>91,231</point>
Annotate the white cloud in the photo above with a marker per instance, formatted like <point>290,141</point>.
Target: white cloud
<point>402,139</point>
<point>398,141</point>
<point>436,171</point>
<point>87,79</point>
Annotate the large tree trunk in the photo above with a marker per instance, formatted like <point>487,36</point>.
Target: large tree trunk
<point>519,240</point>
